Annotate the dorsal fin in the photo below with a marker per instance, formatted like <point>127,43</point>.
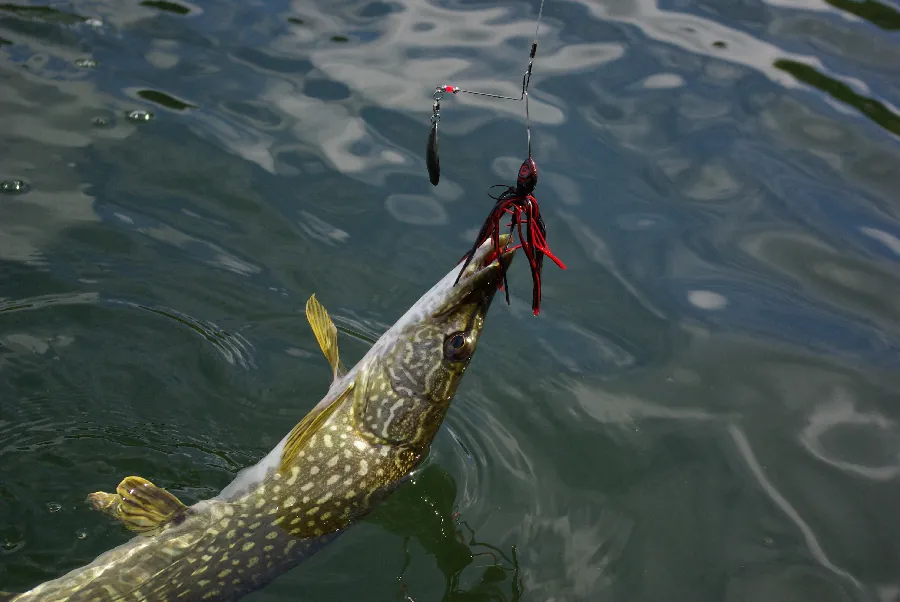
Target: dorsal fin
<point>308,426</point>
<point>140,505</point>
<point>326,335</point>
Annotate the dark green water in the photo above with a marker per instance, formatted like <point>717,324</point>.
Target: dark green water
<point>706,410</point>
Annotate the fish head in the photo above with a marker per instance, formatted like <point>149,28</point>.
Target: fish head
<point>416,367</point>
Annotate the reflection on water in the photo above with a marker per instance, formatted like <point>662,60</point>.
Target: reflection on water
<point>163,99</point>
<point>865,435</point>
<point>706,408</point>
<point>877,13</point>
<point>869,107</point>
<point>815,548</point>
<point>43,13</point>
<point>424,511</point>
<point>172,7</point>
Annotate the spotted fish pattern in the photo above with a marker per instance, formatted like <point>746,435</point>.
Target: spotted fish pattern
<point>373,428</point>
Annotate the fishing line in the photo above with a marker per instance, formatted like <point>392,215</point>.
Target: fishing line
<point>517,203</point>
<point>432,159</point>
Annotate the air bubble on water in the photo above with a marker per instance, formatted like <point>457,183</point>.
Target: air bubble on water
<point>85,63</point>
<point>101,122</point>
<point>54,506</point>
<point>94,22</point>
<point>140,116</point>
<point>81,534</point>
<point>14,186</point>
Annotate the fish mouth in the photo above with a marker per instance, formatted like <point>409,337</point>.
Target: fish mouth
<point>487,267</point>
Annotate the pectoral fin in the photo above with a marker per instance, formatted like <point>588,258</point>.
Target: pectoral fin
<point>326,334</point>
<point>307,427</point>
<point>140,505</point>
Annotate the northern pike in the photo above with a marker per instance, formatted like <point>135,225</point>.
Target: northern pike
<point>371,430</point>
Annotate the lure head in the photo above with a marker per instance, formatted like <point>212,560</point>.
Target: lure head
<point>415,369</point>
<point>527,179</point>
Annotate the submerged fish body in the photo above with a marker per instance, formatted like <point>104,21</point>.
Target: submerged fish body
<point>372,428</point>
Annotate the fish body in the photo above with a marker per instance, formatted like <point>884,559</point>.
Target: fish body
<point>372,428</point>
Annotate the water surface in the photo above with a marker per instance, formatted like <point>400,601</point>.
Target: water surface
<point>706,408</point>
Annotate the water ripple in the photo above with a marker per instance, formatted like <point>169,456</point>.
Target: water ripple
<point>233,346</point>
<point>875,431</point>
<point>815,548</point>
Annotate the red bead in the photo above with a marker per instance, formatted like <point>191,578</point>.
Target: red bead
<point>449,89</point>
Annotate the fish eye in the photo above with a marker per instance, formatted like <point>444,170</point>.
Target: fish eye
<point>456,347</point>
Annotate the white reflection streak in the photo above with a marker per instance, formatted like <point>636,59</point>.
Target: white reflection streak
<point>696,35</point>
<point>740,440</point>
<point>843,412</point>
<point>595,248</point>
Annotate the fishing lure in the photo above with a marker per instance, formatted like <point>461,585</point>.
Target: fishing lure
<point>520,204</point>
<point>516,201</point>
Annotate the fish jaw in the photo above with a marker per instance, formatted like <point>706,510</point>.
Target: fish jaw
<point>478,277</point>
